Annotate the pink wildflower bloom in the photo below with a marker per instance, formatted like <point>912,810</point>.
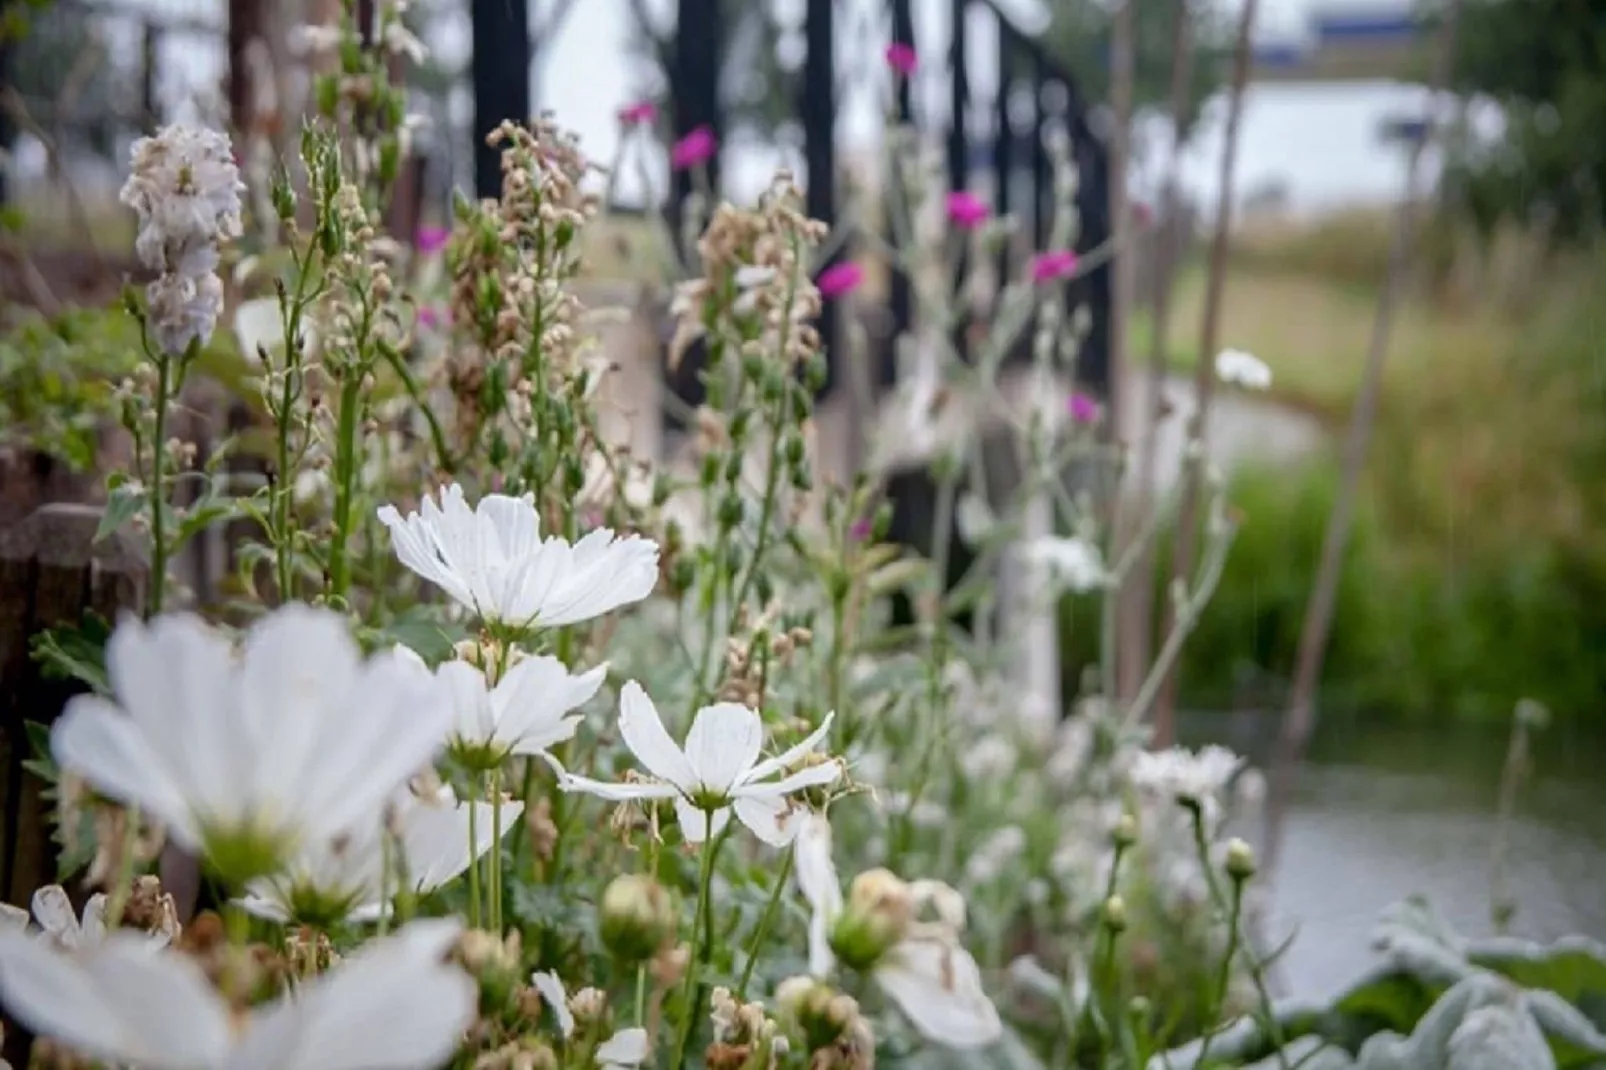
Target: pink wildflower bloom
<point>695,148</point>
<point>860,529</point>
<point>431,317</point>
<point>640,113</point>
<point>1142,214</point>
<point>966,210</point>
<point>839,279</point>
<point>432,240</point>
<point>1058,264</point>
<point>1084,410</point>
<point>901,58</point>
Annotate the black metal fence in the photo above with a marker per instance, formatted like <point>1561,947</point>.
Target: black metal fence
<point>997,146</point>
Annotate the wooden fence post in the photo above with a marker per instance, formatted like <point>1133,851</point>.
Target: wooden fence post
<point>51,571</point>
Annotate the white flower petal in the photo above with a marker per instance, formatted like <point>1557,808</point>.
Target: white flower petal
<point>618,791</point>
<point>531,701</point>
<point>792,755</point>
<point>627,1047</point>
<point>97,741</point>
<point>821,887</point>
<point>939,989</point>
<point>394,1003</point>
<point>644,733</point>
<point>54,913</point>
<point>120,1001</point>
<point>435,839</point>
<point>723,744</point>
<point>772,819</point>
<point>807,777</point>
<point>552,994</point>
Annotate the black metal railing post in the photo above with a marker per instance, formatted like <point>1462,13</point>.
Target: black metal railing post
<point>818,108</point>
<point>502,53</point>
<point>694,84</point>
<point>900,299</point>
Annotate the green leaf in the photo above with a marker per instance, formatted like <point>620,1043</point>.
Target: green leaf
<point>1574,968</point>
<point>76,652</point>
<point>126,501</point>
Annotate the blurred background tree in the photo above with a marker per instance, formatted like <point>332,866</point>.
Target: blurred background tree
<point>1544,63</point>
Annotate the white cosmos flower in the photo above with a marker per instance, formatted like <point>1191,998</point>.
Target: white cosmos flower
<point>491,558</point>
<point>1245,369</point>
<point>246,756</point>
<point>1072,564</point>
<point>394,1004</point>
<point>718,770</point>
<point>344,878</point>
<point>525,713</point>
<point>625,1049</point>
<point>927,973</point>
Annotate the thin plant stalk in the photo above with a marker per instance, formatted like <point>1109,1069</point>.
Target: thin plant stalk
<point>1299,719</point>
<point>1137,601</point>
<point>1204,379</point>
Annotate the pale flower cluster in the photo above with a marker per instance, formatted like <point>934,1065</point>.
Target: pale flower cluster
<point>185,187</point>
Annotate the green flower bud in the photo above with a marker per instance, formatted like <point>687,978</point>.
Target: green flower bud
<point>1240,860</point>
<point>638,917</point>
<point>1115,913</point>
<point>880,907</point>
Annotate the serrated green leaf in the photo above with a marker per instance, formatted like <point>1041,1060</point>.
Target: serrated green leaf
<point>123,504</point>
<point>76,652</point>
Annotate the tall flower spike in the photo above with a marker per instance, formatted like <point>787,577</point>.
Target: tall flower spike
<point>718,771</point>
<point>527,711</point>
<point>395,1004</point>
<point>246,758</point>
<point>491,559</point>
<point>925,970</point>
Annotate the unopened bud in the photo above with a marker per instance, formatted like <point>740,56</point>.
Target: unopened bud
<point>880,907</point>
<point>1115,913</point>
<point>1125,833</point>
<point>638,917</point>
<point>1240,860</point>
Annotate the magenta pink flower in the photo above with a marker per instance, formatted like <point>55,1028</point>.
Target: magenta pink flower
<point>695,148</point>
<point>901,58</point>
<point>861,528</point>
<point>1057,264</point>
<point>966,210</point>
<point>839,279</point>
<point>1084,410</point>
<point>1142,214</point>
<point>640,113</point>
<point>432,240</point>
<point>431,317</point>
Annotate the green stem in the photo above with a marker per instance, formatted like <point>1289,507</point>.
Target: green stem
<point>772,485</point>
<point>692,990</point>
<point>1224,977</point>
<point>284,489</point>
<point>158,491</point>
<point>125,870</point>
<point>764,923</point>
<point>345,473</point>
<point>494,787</point>
<point>473,864</point>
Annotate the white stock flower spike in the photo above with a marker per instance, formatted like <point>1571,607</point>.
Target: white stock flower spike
<point>491,559</point>
<point>394,1004</point>
<point>926,972</point>
<point>1244,369</point>
<point>527,711</point>
<point>344,879</point>
<point>246,756</point>
<point>718,771</point>
<point>627,1048</point>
